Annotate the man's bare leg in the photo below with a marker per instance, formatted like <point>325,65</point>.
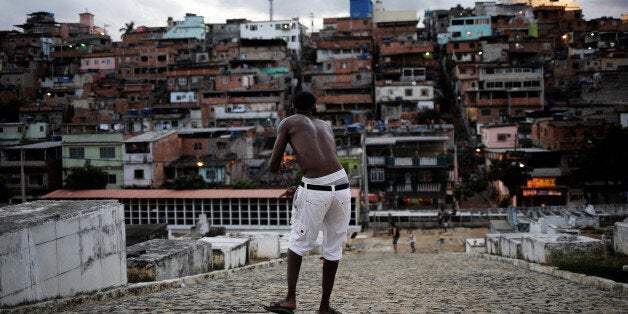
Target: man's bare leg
<point>329,276</point>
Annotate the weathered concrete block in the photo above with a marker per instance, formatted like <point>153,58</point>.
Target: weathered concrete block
<point>44,233</point>
<point>546,249</point>
<point>67,227</point>
<point>472,245</point>
<point>69,252</point>
<point>492,243</point>
<point>510,244</point>
<point>228,252</point>
<point>620,237</point>
<point>161,259</point>
<point>52,249</point>
<point>70,282</point>
<point>263,244</point>
<point>42,254</point>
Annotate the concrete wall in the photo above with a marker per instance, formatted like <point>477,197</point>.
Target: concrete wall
<point>161,259</point>
<point>620,237</point>
<point>263,244</point>
<point>475,245</point>
<point>51,249</point>
<point>510,245</point>
<point>228,252</point>
<point>546,249</point>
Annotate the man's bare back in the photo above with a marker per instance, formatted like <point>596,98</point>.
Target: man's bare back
<point>313,143</point>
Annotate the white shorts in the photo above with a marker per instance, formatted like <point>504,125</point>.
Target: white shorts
<point>313,210</point>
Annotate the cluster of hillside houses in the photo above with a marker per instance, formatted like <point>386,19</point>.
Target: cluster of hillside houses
<point>206,98</point>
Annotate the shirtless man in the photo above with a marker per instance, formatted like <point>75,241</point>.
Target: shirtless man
<point>322,199</point>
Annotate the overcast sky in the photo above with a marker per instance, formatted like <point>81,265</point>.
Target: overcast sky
<point>115,13</point>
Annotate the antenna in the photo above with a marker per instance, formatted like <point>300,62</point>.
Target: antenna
<point>312,19</point>
<point>271,9</point>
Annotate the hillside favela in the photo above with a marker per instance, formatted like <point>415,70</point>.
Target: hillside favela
<point>485,145</point>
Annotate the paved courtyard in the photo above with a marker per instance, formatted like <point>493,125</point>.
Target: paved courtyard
<point>383,283</point>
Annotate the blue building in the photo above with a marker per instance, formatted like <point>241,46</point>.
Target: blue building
<point>469,27</point>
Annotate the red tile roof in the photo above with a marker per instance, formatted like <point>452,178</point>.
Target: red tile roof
<point>196,194</point>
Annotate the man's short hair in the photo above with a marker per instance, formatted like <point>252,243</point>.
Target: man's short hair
<point>304,100</point>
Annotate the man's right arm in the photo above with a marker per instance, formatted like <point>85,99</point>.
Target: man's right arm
<point>279,148</point>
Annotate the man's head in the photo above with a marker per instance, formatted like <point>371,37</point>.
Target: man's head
<point>304,101</point>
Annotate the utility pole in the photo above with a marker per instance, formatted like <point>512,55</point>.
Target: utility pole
<point>364,171</point>
<point>271,9</point>
<point>22,179</point>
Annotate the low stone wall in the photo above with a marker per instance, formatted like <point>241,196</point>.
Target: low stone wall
<point>620,237</point>
<point>228,252</point>
<point>546,249</point>
<point>263,244</point>
<point>52,249</point>
<point>161,259</point>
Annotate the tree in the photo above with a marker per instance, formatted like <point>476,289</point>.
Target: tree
<point>513,174</point>
<point>86,178</point>
<point>604,160</point>
<point>128,28</point>
<point>192,181</point>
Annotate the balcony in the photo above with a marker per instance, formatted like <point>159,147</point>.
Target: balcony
<point>421,187</point>
<point>138,158</point>
<point>409,161</point>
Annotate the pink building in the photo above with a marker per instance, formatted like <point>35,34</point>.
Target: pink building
<point>499,136</point>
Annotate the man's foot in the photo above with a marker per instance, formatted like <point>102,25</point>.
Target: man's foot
<point>278,307</point>
<point>328,311</point>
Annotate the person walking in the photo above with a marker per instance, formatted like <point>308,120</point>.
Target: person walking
<point>322,199</point>
<point>412,241</point>
<point>394,232</point>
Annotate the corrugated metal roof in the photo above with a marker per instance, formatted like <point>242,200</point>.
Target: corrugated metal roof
<point>206,130</point>
<point>194,194</point>
<point>41,145</point>
<point>149,136</point>
<point>393,140</point>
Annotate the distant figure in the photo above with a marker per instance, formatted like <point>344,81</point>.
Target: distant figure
<point>439,244</point>
<point>394,232</point>
<point>412,241</point>
<point>443,218</point>
<point>321,200</point>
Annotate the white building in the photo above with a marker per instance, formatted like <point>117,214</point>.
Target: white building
<point>291,31</point>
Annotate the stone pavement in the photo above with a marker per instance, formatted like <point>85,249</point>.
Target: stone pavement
<point>382,283</point>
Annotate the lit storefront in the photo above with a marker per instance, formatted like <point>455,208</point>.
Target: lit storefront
<point>539,191</point>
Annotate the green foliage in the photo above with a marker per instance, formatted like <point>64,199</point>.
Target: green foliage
<point>610,268</point>
<point>192,181</point>
<point>308,55</point>
<point>244,184</point>
<point>128,28</point>
<point>11,110</point>
<point>612,150</point>
<point>510,173</point>
<point>5,192</point>
<point>86,178</point>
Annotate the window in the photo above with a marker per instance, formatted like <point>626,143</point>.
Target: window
<point>486,112</point>
<point>343,65</point>
<point>36,179</point>
<point>77,152</point>
<point>408,91</point>
<point>198,146</point>
<point>138,174</point>
<point>378,175</point>
<point>107,152</point>
<point>210,174</point>
<point>111,179</point>
<point>425,92</point>
<point>253,27</point>
<point>425,176</point>
<point>501,137</point>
